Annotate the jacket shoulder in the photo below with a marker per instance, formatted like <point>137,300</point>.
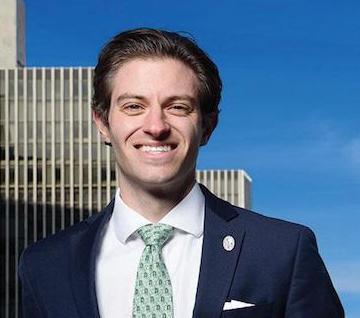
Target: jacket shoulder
<point>265,227</point>
<point>262,220</point>
<point>55,246</point>
<point>248,218</point>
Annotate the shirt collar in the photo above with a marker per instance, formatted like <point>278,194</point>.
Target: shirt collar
<point>187,216</point>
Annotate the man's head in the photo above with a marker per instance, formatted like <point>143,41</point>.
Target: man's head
<point>150,43</point>
<point>156,97</point>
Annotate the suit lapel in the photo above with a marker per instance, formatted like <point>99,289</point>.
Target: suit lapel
<point>84,249</point>
<point>217,264</point>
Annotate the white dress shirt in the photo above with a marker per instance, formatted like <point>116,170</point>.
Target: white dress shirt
<point>121,249</point>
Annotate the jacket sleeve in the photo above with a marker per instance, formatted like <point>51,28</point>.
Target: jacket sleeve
<point>30,307</point>
<point>311,293</point>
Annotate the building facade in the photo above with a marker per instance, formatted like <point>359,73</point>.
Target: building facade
<point>54,169</point>
<point>12,33</point>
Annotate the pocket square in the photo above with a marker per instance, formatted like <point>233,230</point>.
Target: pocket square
<point>236,304</point>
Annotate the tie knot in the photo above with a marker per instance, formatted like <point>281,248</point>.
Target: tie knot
<point>155,234</point>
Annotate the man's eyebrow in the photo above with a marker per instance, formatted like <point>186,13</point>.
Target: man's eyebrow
<point>170,99</point>
<point>128,96</point>
<point>190,98</point>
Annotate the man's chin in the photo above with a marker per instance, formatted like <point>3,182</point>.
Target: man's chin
<point>166,182</point>
<point>163,181</point>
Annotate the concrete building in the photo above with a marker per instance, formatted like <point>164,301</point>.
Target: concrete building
<point>12,33</point>
<point>54,169</point>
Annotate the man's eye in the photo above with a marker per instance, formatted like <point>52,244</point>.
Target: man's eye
<point>132,108</point>
<point>180,109</point>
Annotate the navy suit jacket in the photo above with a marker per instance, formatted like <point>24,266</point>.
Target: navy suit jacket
<point>274,265</point>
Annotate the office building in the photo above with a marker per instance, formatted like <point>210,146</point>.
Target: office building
<point>54,169</point>
<point>12,33</point>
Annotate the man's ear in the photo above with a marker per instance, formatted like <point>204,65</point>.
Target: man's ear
<point>209,124</point>
<point>102,128</point>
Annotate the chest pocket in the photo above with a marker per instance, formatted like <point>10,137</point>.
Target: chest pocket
<point>258,311</point>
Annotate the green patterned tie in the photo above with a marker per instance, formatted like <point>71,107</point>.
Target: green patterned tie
<point>153,293</point>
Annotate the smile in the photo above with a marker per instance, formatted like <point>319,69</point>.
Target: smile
<point>156,149</point>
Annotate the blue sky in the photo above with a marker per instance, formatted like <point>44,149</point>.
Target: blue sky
<point>291,102</point>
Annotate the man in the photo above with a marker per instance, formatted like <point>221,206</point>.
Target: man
<point>165,246</point>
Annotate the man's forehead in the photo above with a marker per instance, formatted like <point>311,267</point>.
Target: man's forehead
<point>138,78</point>
<point>146,63</point>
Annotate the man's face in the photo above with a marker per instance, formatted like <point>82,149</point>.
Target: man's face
<point>155,123</point>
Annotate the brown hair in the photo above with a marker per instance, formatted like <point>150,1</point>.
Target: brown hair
<point>147,43</point>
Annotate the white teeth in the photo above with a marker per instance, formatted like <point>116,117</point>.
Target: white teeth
<point>156,149</point>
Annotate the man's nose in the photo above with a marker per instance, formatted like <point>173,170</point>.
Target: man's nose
<point>155,124</point>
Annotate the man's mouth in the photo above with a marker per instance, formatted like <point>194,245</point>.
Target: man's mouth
<point>156,149</point>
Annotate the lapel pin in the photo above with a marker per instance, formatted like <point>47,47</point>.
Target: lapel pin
<point>228,243</point>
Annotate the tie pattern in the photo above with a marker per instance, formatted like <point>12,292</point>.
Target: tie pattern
<point>153,292</point>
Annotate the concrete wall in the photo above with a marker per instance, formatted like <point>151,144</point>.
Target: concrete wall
<point>12,33</point>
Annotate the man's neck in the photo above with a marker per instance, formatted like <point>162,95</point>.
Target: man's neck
<point>153,203</point>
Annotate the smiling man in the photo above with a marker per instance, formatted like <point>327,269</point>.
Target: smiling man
<point>165,246</point>
<point>155,126</point>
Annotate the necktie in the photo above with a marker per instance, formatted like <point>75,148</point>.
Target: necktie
<point>153,292</point>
